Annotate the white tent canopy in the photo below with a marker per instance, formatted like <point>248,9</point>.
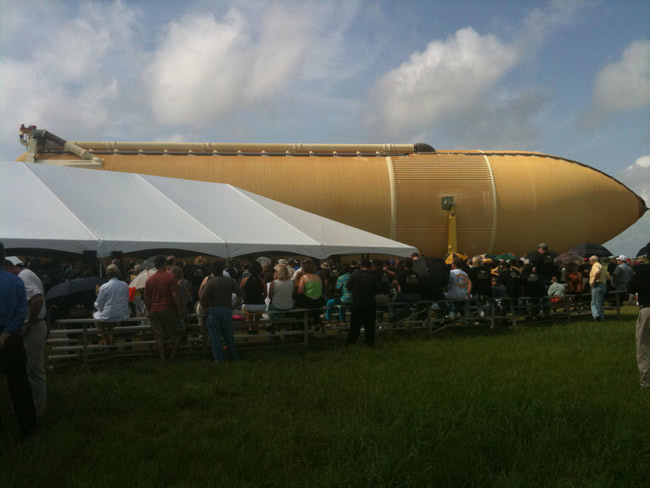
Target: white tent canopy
<point>74,210</point>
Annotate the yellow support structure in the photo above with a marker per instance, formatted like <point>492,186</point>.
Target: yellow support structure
<point>452,243</point>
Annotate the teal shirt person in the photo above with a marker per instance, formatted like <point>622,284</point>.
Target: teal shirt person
<point>341,285</point>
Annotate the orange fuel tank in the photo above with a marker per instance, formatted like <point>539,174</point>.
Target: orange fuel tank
<point>505,201</point>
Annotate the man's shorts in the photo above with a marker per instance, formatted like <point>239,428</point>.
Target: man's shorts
<point>166,324</point>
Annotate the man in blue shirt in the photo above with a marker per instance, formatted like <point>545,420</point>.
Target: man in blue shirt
<point>13,311</point>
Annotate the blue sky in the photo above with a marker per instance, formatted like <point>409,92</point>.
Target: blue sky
<point>569,78</point>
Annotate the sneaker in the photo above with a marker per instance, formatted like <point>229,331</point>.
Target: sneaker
<point>450,315</point>
<point>481,314</point>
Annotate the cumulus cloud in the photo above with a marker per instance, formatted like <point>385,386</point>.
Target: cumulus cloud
<point>622,85</point>
<point>461,86</point>
<point>446,76</point>
<point>625,84</point>
<point>65,82</point>
<point>206,68</point>
<point>637,177</point>
<point>643,162</point>
<point>541,23</point>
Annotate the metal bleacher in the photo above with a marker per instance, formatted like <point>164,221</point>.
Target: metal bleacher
<point>78,339</point>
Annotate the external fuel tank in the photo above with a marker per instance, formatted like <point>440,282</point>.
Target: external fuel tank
<point>505,201</point>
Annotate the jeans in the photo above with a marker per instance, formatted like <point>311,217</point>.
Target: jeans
<point>331,304</point>
<point>34,343</point>
<point>220,325</point>
<point>401,304</point>
<point>597,300</point>
<point>14,362</point>
<point>483,304</point>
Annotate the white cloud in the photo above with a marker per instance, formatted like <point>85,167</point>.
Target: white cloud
<point>205,68</point>
<point>173,137</point>
<point>66,82</point>
<point>447,76</point>
<point>637,178</point>
<point>642,162</point>
<point>542,23</point>
<point>622,85</point>
<point>625,84</point>
<point>460,87</point>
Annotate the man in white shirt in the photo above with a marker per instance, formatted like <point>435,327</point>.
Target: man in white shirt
<point>34,333</point>
<point>556,289</point>
<point>459,289</point>
<point>112,305</point>
<point>622,275</point>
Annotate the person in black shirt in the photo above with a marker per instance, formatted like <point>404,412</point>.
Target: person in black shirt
<point>511,279</point>
<point>545,264</point>
<point>640,284</point>
<point>195,274</point>
<point>363,285</point>
<point>408,290</point>
<point>481,279</point>
<point>384,282</point>
<point>533,290</point>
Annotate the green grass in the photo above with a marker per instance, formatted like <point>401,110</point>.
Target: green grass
<point>542,405</point>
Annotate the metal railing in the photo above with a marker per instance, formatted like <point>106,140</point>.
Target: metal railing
<point>79,339</point>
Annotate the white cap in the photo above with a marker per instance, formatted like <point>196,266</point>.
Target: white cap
<point>621,258</point>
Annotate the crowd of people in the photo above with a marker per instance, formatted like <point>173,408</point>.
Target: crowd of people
<point>276,288</point>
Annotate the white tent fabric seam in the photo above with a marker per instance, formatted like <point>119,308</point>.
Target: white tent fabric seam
<point>75,209</point>
<point>238,190</point>
<point>183,210</point>
<point>49,190</point>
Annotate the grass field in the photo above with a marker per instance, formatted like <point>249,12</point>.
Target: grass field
<point>537,406</point>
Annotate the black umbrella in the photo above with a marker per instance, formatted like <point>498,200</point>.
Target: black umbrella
<point>533,254</point>
<point>71,287</point>
<point>420,267</point>
<point>567,258</point>
<point>644,250</point>
<point>588,249</point>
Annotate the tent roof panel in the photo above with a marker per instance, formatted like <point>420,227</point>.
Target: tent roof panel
<point>74,209</point>
<point>31,213</point>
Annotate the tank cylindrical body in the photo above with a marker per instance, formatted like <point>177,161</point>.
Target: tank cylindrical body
<point>505,201</point>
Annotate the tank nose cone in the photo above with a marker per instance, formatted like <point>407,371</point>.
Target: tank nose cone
<point>643,208</point>
<point>569,201</point>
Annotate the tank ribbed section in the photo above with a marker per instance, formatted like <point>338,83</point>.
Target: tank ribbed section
<point>562,203</point>
<point>420,183</point>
